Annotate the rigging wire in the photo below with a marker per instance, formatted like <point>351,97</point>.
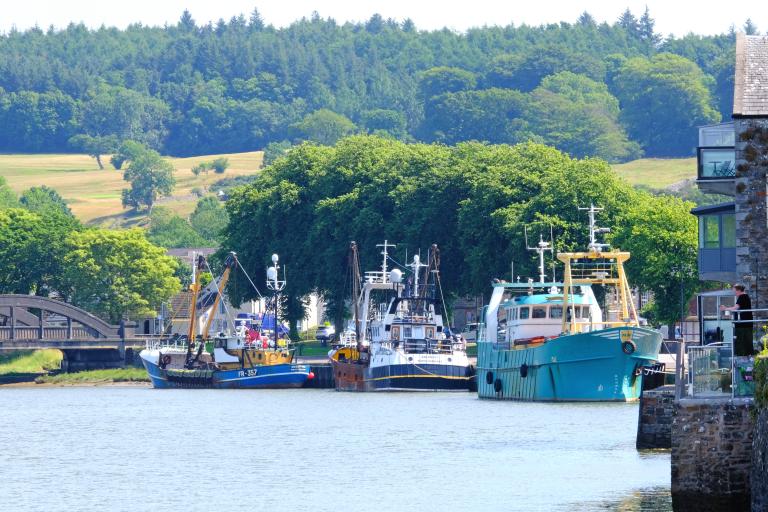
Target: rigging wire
<point>248,277</point>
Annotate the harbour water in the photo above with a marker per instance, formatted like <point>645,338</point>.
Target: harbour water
<point>139,449</point>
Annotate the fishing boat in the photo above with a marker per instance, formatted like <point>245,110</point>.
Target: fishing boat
<point>246,357</point>
<point>551,341</point>
<point>399,342</point>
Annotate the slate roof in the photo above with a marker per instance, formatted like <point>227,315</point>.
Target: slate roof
<point>750,94</point>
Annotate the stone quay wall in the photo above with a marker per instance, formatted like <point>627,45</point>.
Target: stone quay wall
<point>654,423</point>
<point>712,454</point>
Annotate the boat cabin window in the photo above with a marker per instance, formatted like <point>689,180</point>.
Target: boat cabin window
<point>430,332</point>
<point>407,332</point>
<point>556,312</point>
<point>524,312</point>
<point>396,333</point>
<point>539,312</point>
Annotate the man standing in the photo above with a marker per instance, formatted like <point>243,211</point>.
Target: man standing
<point>742,322</point>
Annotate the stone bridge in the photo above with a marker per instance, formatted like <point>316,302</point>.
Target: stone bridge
<point>29,322</point>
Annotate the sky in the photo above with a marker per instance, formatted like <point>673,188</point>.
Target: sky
<point>677,17</point>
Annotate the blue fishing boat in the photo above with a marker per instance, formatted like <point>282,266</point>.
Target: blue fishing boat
<point>551,341</point>
<point>249,357</point>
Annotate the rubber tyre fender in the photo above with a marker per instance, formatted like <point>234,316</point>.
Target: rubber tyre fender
<point>524,370</point>
<point>497,385</point>
<point>628,347</point>
<point>489,378</point>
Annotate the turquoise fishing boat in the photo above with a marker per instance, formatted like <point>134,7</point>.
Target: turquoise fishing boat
<point>552,341</point>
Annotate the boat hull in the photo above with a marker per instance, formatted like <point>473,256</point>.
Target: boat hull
<point>350,376</point>
<point>600,366</point>
<point>277,376</point>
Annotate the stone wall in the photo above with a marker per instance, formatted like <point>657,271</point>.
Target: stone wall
<point>751,213</point>
<point>654,423</point>
<point>712,454</point>
<point>760,463</point>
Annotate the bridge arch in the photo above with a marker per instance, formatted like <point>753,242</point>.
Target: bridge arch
<point>16,308</point>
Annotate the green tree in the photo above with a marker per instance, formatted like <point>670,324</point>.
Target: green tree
<point>150,177</point>
<point>127,151</point>
<point>8,197</point>
<point>324,127</point>
<point>663,100</point>
<point>167,229</point>
<point>94,146</point>
<point>491,115</point>
<point>32,247</point>
<point>46,202</point>
<point>443,79</point>
<point>118,274</point>
<point>209,219</point>
<point>220,165</point>
<point>275,150</point>
<point>579,116</point>
<point>662,236</point>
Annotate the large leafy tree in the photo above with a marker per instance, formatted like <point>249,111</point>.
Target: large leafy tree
<point>663,100</point>
<point>473,200</point>
<point>8,197</point>
<point>150,177</point>
<point>324,127</point>
<point>118,274</point>
<point>578,115</point>
<point>32,248</point>
<point>662,236</point>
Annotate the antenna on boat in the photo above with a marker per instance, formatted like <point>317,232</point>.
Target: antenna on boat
<point>541,247</point>
<point>416,265</point>
<point>386,245</point>
<point>594,246</point>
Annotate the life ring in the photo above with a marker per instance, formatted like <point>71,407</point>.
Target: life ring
<point>628,347</point>
<point>524,370</point>
<point>165,361</point>
<point>489,378</point>
<point>497,385</point>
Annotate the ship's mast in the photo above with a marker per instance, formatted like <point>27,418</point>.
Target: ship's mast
<point>385,246</point>
<point>594,246</point>
<point>417,265</point>
<point>540,248</point>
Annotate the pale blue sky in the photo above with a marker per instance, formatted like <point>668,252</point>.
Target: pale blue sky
<point>672,16</point>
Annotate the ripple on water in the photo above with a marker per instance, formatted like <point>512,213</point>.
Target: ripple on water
<point>199,450</point>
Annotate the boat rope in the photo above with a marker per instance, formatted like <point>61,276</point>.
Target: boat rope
<point>248,277</point>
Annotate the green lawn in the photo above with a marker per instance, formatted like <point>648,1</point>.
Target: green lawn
<point>37,361</point>
<point>95,195</point>
<point>96,377</point>
<point>657,172</point>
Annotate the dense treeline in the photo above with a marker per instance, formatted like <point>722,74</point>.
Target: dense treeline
<point>610,90</point>
<point>474,200</point>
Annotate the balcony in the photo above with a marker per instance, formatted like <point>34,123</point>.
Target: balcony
<point>717,242</point>
<point>716,158</point>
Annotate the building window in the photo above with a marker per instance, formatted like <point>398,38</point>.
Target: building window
<point>729,231</point>
<point>709,231</point>
<point>717,163</point>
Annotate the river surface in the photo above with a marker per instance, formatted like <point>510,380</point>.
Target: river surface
<point>139,449</point>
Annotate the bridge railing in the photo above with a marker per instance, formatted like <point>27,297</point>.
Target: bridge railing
<point>33,333</point>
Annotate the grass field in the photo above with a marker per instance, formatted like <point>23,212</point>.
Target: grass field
<point>37,361</point>
<point>657,172</point>
<point>96,377</point>
<point>94,195</point>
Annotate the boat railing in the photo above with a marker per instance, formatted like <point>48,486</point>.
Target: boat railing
<point>432,347</point>
<point>713,370</point>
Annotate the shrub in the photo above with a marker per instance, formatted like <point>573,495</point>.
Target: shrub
<point>220,165</point>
